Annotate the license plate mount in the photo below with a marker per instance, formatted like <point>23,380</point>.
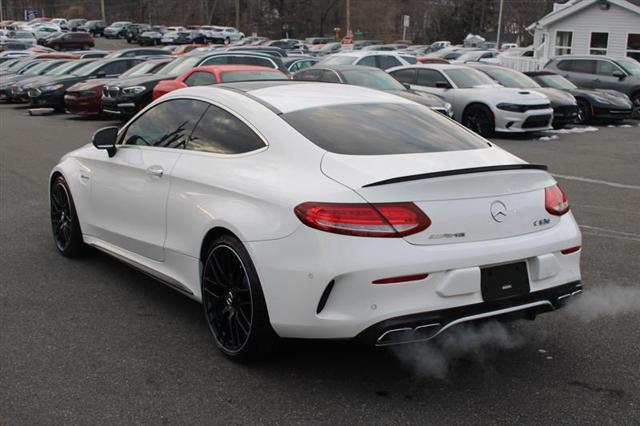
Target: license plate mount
<point>504,281</point>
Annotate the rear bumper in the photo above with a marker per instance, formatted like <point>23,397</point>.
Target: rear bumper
<point>426,326</point>
<point>319,285</point>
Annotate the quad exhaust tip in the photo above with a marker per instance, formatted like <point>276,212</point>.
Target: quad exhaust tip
<point>428,331</point>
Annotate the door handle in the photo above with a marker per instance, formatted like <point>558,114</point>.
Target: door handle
<point>156,171</point>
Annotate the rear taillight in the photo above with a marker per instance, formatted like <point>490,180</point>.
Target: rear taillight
<point>389,220</point>
<point>555,200</point>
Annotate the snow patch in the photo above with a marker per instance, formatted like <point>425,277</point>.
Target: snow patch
<point>574,130</point>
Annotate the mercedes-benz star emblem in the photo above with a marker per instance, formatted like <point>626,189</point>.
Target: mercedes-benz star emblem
<point>498,211</point>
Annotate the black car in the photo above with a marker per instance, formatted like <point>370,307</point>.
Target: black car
<point>592,103</point>
<point>17,92</point>
<point>136,52</point>
<point>124,98</point>
<point>51,93</point>
<point>37,70</point>
<point>565,107</point>
<point>151,37</point>
<point>190,37</point>
<point>135,30</point>
<point>94,27</point>
<point>373,78</point>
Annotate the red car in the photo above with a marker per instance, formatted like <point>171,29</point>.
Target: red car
<point>432,60</point>
<point>85,98</point>
<point>213,74</point>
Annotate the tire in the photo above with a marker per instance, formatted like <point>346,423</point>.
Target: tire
<point>479,119</point>
<point>584,111</point>
<point>84,47</point>
<point>65,226</point>
<point>233,303</point>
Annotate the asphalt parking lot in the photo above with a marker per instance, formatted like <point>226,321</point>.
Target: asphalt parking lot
<point>93,341</point>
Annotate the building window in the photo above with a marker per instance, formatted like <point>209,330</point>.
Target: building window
<point>633,46</point>
<point>563,42</point>
<point>599,43</point>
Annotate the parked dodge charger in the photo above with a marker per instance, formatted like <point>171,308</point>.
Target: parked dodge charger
<point>478,101</point>
<point>291,209</point>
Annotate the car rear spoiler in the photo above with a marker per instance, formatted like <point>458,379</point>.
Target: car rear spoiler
<point>457,172</point>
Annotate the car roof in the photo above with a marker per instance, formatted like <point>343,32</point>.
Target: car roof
<point>286,96</point>
<point>341,68</point>
<point>433,66</point>
<point>233,68</point>
<point>564,57</point>
<point>360,53</point>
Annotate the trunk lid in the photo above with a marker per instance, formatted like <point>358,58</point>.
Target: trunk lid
<point>471,195</point>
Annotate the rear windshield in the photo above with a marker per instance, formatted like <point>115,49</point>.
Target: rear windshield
<point>381,129</point>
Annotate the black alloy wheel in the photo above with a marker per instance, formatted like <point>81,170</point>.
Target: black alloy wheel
<point>635,107</point>
<point>584,111</point>
<point>64,220</point>
<point>479,119</point>
<point>233,302</point>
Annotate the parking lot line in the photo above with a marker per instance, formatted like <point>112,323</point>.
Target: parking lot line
<point>601,182</point>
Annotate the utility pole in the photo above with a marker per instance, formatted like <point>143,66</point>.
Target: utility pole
<point>1,11</point>
<point>104,15</point>
<point>238,15</point>
<point>499,25</point>
<point>348,17</point>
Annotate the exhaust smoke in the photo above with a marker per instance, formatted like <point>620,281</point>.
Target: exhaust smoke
<point>478,341</point>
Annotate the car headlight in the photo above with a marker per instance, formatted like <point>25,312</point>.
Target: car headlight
<point>51,87</point>
<point>133,90</point>
<point>601,99</point>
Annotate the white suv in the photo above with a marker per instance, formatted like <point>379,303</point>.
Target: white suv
<point>226,35</point>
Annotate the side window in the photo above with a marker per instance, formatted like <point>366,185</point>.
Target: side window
<point>429,78</point>
<point>369,61</point>
<point>330,76</point>
<point>309,75</point>
<point>222,133</point>
<point>564,65</point>
<point>114,68</point>
<point>386,62</point>
<point>200,78</point>
<point>216,60</point>
<point>167,125</point>
<point>410,59</point>
<point>407,76</point>
<point>586,66</point>
<point>606,68</point>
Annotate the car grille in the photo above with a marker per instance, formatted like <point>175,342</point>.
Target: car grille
<point>536,121</point>
<point>565,112</point>
<point>534,107</point>
<point>111,92</point>
<point>34,93</point>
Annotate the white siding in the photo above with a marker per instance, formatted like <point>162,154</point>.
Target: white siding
<point>616,21</point>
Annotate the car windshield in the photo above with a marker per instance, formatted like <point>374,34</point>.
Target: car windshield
<point>510,78</point>
<point>180,65</point>
<point>381,129</point>
<point>556,81</point>
<point>22,34</point>
<point>37,69</point>
<point>339,60</point>
<point>468,78</point>
<point>117,25</point>
<point>251,75</point>
<point>629,65</point>
<point>88,70</point>
<point>143,68</point>
<point>372,79</point>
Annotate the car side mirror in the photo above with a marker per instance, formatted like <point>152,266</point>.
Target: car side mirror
<point>106,138</point>
<point>406,86</point>
<point>619,74</point>
<point>443,85</point>
<point>101,74</point>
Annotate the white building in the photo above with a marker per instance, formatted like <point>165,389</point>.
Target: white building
<point>589,27</point>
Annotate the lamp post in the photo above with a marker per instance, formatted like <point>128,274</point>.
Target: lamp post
<point>499,25</point>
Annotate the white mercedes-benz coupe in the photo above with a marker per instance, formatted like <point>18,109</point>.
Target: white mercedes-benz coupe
<point>318,210</point>
<point>479,102</point>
